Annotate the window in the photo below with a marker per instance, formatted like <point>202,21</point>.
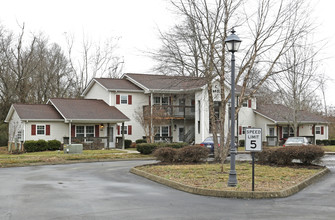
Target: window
<point>317,130</point>
<point>165,131</point>
<point>165,100</point>
<point>80,131</point>
<point>243,130</point>
<point>161,100</point>
<point>245,104</point>
<point>124,99</point>
<point>19,135</point>
<point>89,132</point>
<point>125,129</point>
<point>40,129</point>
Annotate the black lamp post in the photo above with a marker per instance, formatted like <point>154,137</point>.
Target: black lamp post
<point>233,43</point>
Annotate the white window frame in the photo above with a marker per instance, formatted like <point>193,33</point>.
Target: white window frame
<point>37,129</point>
<point>123,99</point>
<point>80,132</point>
<point>125,129</point>
<point>244,129</point>
<point>318,130</point>
<point>245,103</point>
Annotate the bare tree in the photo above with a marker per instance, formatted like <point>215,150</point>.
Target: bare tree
<point>94,60</point>
<point>269,29</point>
<point>298,82</point>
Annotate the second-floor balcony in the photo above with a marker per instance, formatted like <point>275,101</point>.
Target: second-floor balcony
<point>169,111</point>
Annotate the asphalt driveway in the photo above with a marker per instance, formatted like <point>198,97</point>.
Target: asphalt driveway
<point>106,190</point>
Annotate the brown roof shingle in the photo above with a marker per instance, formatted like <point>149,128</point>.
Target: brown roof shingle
<point>281,113</point>
<point>117,84</point>
<point>163,82</point>
<point>37,112</point>
<point>87,109</point>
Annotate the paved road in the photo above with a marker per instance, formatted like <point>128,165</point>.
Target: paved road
<point>108,191</point>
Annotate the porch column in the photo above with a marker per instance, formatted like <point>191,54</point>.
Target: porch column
<point>108,135</point>
<point>70,125</point>
<point>122,130</point>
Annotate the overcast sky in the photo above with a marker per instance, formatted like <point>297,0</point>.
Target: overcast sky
<point>134,21</point>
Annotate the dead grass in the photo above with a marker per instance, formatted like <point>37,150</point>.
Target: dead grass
<point>58,157</point>
<point>209,176</point>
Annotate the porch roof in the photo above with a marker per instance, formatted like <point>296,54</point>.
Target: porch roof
<point>281,114</point>
<point>87,110</point>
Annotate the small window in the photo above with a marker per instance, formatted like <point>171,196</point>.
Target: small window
<point>40,129</point>
<point>124,99</point>
<point>245,104</point>
<point>125,129</point>
<point>317,130</point>
<point>165,131</point>
<point>243,130</point>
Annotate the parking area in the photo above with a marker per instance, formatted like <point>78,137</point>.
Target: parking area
<point>106,190</point>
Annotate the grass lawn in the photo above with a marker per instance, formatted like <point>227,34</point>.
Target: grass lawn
<point>58,157</point>
<point>330,148</point>
<point>209,176</point>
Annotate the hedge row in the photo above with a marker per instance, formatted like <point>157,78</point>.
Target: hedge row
<point>149,148</point>
<point>188,154</point>
<point>285,155</point>
<point>42,145</point>
<point>325,142</point>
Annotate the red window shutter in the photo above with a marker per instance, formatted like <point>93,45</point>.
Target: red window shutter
<point>73,131</point>
<point>33,129</point>
<point>118,130</point>
<point>249,103</point>
<point>130,101</point>
<point>313,130</point>
<point>117,99</point>
<point>96,130</point>
<point>47,128</point>
<point>240,130</point>
<point>129,129</point>
<point>322,130</point>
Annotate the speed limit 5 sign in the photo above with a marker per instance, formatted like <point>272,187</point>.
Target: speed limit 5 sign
<point>253,139</point>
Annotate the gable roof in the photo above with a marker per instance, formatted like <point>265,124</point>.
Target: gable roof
<point>34,112</point>
<point>86,110</point>
<point>111,84</point>
<point>281,114</point>
<point>166,83</point>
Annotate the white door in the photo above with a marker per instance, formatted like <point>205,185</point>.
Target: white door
<point>112,137</point>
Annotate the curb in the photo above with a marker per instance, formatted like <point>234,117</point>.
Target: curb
<point>232,194</point>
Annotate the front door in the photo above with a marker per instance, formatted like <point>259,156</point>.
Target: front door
<point>112,137</point>
<point>181,134</point>
<point>272,140</point>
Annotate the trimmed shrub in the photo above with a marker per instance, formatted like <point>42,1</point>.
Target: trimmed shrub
<point>127,143</point>
<point>140,141</point>
<point>192,154</point>
<point>165,154</point>
<point>41,145</point>
<point>285,155</point>
<point>54,145</point>
<point>149,148</point>
<point>30,146</point>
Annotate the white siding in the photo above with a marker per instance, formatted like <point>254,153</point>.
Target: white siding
<point>98,92</point>
<point>138,101</point>
<point>58,130</point>
<point>263,123</point>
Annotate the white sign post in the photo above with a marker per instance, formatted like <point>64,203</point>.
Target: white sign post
<point>253,143</point>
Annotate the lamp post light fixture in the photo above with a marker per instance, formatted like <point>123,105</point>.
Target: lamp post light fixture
<point>233,43</point>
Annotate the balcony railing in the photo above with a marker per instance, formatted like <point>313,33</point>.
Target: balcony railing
<point>169,111</point>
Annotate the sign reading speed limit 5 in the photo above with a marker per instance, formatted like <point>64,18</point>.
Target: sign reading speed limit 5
<point>253,139</point>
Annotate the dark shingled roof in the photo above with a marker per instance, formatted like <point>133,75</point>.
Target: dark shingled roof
<point>117,84</point>
<point>37,111</point>
<point>163,82</point>
<point>87,109</point>
<point>281,113</point>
